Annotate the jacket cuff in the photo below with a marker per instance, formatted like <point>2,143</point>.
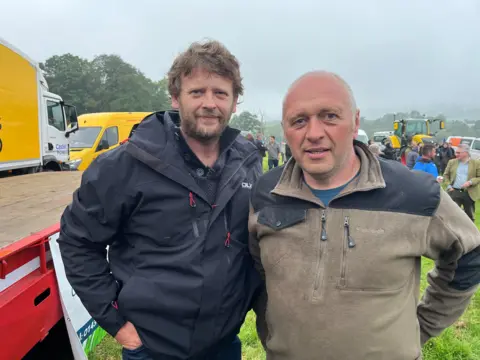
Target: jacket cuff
<point>112,321</point>
<point>424,337</point>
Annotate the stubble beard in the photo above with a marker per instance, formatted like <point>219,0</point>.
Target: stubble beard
<point>192,129</point>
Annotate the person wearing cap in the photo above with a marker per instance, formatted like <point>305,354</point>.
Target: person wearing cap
<point>462,176</point>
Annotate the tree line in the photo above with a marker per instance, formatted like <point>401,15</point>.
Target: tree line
<point>108,83</point>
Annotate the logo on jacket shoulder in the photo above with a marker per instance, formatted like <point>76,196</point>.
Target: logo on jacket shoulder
<point>246,185</point>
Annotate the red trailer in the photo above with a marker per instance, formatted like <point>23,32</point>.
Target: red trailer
<point>30,210</point>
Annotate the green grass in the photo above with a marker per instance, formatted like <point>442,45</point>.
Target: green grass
<point>461,341</point>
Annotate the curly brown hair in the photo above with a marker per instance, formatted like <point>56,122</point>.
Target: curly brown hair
<point>211,56</point>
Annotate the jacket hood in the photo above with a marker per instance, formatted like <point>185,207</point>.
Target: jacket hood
<point>157,136</point>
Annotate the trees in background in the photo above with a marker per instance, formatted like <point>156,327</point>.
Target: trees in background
<point>106,83</point>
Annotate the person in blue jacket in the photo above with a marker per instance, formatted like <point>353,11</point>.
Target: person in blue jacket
<point>425,162</point>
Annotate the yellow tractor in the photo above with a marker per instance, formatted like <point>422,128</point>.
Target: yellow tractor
<point>418,130</point>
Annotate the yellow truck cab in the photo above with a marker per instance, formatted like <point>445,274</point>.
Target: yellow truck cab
<point>98,133</point>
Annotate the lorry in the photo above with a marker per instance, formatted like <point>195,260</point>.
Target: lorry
<point>30,305</point>
<point>419,130</point>
<point>100,132</point>
<point>35,124</point>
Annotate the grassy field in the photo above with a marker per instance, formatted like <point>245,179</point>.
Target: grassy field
<point>459,342</point>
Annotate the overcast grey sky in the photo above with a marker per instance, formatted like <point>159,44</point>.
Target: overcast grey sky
<point>396,54</point>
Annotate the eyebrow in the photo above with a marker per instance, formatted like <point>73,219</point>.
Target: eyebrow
<point>324,109</point>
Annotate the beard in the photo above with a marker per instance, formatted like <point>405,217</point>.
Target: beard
<point>194,127</point>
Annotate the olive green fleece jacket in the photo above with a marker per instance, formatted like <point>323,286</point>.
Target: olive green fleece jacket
<point>342,282</point>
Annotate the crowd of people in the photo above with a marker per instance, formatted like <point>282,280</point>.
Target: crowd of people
<point>173,237</point>
<point>454,168</point>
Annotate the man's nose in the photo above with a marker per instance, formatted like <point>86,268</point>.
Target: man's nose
<point>209,100</point>
<point>315,129</point>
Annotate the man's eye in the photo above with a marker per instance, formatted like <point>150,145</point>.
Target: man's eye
<point>299,121</point>
<point>196,92</point>
<point>331,116</point>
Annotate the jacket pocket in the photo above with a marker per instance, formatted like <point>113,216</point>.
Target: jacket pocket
<point>374,257</point>
<point>279,218</point>
<point>282,229</point>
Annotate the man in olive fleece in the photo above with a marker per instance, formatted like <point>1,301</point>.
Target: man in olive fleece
<point>339,234</point>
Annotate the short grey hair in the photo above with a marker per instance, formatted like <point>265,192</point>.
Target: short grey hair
<point>464,147</point>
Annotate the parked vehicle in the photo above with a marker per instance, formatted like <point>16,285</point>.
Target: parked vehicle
<point>100,132</point>
<point>35,124</point>
<point>362,136</point>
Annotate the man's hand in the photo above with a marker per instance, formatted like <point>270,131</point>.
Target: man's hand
<point>128,337</point>
<point>450,189</point>
<point>466,185</point>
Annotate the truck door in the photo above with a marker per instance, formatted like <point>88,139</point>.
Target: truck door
<point>57,144</point>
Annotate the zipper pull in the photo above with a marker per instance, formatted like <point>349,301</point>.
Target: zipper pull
<point>192,200</point>
<point>350,241</point>
<point>323,237</point>
<point>227,240</point>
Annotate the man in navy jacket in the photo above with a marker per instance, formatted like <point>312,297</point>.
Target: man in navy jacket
<point>172,206</point>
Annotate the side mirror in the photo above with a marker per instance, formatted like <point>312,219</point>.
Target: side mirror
<point>442,125</point>
<point>395,125</point>
<point>103,145</point>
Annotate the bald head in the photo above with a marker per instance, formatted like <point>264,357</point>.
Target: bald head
<point>312,81</point>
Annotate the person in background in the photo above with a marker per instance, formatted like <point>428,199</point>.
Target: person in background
<point>412,155</point>
<point>375,150</point>
<point>388,150</point>
<point>339,235</point>
<point>446,154</point>
<point>288,152</point>
<point>261,145</point>
<point>425,163</point>
<point>452,151</point>
<point>171,206</point>
<point>462,176</point>
<point>273,150</point>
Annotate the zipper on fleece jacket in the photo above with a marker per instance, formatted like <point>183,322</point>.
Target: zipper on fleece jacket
<point>350,243</point>
<point>323,237</point>
<point>320,268</point>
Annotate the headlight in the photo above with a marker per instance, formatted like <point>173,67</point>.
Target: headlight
<point>74,164</point>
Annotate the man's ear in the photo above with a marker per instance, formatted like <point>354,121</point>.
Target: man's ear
<point>235,101</point>
<point>175,103</point>
<point>357,120</point>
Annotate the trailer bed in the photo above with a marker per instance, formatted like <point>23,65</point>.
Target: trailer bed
<point>30,203</point>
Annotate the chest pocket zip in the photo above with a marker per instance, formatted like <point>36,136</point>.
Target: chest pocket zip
<point>193,206</point>
<point>349,244</point>
<point>321,258</point>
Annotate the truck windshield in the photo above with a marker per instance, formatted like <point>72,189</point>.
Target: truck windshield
<point>413,127</point>
<point>379,138</point>
<point>85,137</point>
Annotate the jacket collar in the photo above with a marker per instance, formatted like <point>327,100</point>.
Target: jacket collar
<point>291,183</point>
